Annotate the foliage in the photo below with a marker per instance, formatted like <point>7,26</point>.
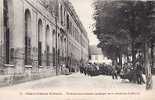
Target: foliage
<point>121,23</point>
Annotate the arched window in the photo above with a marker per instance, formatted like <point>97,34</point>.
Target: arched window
<point>61,12</point>
<point>48,35</point>
<point>27,38</point>
<point>48,45</point>
<point>68,22</point>
<point>40,40</point>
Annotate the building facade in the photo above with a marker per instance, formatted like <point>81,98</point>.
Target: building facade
<point>39,36</point>
<point>96,56</point>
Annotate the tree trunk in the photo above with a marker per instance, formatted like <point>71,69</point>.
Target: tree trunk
<point>152,56</point>
<point>147,68</point>
<point>133,54</point>
<point>127,57</point>
<point>114,61</point>
<point>120,60</point>
<point>120,57</point>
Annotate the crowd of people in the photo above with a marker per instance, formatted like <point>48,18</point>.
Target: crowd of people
<point>93,69</point>
<point>133,74</point>
<point>89,69</point>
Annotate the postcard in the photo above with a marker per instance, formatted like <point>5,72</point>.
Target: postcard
<point>77,50</point>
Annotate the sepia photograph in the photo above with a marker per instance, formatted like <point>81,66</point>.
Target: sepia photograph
<point>77,50</point>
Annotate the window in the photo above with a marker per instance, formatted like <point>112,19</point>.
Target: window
<point>39,53</point>
<point>61,12</point>
<point>48,56</point>
<point>58,59</point>
<point>47,45</point>
<point>53,38</point>
<point>6,31</point>
<point>27,38</point>
<point>40,36</point>
<point>65,46</point>
<point>54,57</point>
<point>67,21</point>
<point>70,28</point>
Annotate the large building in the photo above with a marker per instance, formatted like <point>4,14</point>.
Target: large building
<point>96,56</point>
<point>38,36</point>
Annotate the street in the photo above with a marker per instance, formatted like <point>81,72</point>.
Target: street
<point>77,87</point>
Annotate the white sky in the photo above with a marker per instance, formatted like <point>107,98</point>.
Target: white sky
<point>84,10</point>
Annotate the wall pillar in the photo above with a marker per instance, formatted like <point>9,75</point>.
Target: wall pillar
<point>17,40</point>
<point>1,33</point>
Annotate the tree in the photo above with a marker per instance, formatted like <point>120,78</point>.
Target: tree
<point>124,24</point>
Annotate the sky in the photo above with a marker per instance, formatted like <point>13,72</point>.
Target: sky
<point>84,10</point>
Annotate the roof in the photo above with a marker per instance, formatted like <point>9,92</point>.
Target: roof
<point>94,50</point>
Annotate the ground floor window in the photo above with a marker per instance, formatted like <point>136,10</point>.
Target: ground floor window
<point>28,59</point>
<point>48,56</point>
<point>40,53</point>
<point>6,32</point>
<point>54,57</point>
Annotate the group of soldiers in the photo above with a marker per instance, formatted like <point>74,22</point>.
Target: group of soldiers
<point>93,69</point>
<point>127,72</point>
<point>89,69</point>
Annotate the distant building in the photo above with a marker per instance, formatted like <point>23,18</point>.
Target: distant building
<point>96,56</point>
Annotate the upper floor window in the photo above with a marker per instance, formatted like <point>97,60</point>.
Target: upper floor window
<point>61,14</point>
<point>48,38</point>
<point>40,28</point>
<point>67,21</point>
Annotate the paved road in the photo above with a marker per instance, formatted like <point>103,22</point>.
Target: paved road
<point>77,87</point>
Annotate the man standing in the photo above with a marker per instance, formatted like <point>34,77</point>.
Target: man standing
<point>114,73</point>
<point>139,74</point>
